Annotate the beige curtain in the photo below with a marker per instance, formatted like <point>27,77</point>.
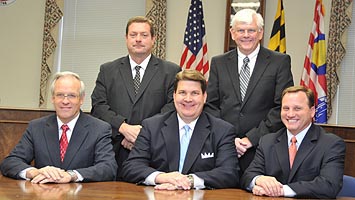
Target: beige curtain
<point>53,14</point>
<point>156,11</point>
<point>340,20</point>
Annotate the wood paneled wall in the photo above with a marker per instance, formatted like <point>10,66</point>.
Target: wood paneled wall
<point>348,134</point>
<point>13,123</point>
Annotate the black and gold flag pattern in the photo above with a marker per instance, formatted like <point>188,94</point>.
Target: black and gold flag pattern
<point>278,36</point>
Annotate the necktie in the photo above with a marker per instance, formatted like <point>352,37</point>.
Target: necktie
<point>244,77</point>
<point>184,143</point>
<point>63,143</point>
<point>292,150</point>
<point>137,79</point>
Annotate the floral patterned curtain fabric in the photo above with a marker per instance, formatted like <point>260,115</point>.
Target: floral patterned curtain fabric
<point>156,11</point>
<point>340,20</point>
<point>52,16</point>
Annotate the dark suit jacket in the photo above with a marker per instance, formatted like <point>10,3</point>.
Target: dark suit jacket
<point>259,113</point>
<point>317,170</point>
<point>157,149</point>
<point>114,101</point>
<point>89,150</point>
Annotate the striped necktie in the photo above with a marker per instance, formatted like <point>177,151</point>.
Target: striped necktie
<point>244,77</point>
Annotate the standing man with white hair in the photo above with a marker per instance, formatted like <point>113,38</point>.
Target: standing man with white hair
<point>246,83</point>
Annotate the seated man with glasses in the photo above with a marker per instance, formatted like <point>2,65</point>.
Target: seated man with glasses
<point>69,146</point>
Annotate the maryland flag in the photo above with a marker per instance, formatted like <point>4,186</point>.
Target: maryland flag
<point>278,36</point>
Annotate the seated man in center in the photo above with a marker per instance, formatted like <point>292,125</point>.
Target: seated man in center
<point>186,148</point>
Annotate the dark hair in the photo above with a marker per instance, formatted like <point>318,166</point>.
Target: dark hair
<point>293,89</point>
<point>141,19</point>
<point>191,75</point>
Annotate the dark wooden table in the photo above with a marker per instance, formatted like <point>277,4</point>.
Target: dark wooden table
<point>20,189</point>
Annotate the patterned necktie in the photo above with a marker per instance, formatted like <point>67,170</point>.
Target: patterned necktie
<point>184,143</point>
<point>244,77</point>
<point>63,143</point>
<point>292,150</point>
<point>137,79</point>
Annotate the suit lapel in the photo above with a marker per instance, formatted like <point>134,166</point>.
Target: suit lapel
<point>126,74</point>
<point>170,134</point>
<point>77,139</point>
<point>149,73</point>
<point>232,67</point>
<point>261,64</point>
<point>197,141</point>
<point>282,156</point>
<point>307,145</point>
<point>51,135</point>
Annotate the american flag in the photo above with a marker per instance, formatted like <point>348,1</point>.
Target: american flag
<point>314,71</point>
<point>194,55</point>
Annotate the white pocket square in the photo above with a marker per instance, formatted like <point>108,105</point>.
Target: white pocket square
<point>207,155</point>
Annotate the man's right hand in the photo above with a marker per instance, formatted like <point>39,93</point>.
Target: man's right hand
<point>130,132</point>
<point>176,179</point>
<point>126,144</point>
<point>48,174</point>
<point>270,185</point>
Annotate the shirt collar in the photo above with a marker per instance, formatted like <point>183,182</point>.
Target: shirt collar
<point>182,123</point>
<point>143,65</point>
<point>299,136</point>
<point>251,55</point>
<point>70,124</point>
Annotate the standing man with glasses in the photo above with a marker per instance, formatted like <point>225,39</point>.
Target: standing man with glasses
<point>245,85</point>
<point>132,88</point>
<point>69,146</point>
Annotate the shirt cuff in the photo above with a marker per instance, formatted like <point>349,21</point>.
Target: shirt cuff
<point>252,183</point>
<point>288,192</point>
<point>22,173</point>
<point>80,177</point>
<point>199,183</point>
<point>150,180</point>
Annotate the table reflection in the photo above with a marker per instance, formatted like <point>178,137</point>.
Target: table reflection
<point>51,191</point>
<point>153,194</point>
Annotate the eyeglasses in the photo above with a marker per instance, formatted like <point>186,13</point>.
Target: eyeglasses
<point>69,96</point>
<point>242,31</point>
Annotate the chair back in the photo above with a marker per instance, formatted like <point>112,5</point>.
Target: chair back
<point>348,189</point>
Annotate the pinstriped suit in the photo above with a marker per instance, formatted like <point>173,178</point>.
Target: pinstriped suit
<point>259,113</point>
<point>114,100</point>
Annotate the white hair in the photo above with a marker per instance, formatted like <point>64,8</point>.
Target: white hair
<point>246,16</point>
<point>65,74</point>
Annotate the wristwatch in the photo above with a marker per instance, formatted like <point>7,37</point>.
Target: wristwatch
<point>191,179</point>
<point>72,175</point>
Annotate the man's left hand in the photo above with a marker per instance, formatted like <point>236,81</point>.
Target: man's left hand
<point>242,145</point>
